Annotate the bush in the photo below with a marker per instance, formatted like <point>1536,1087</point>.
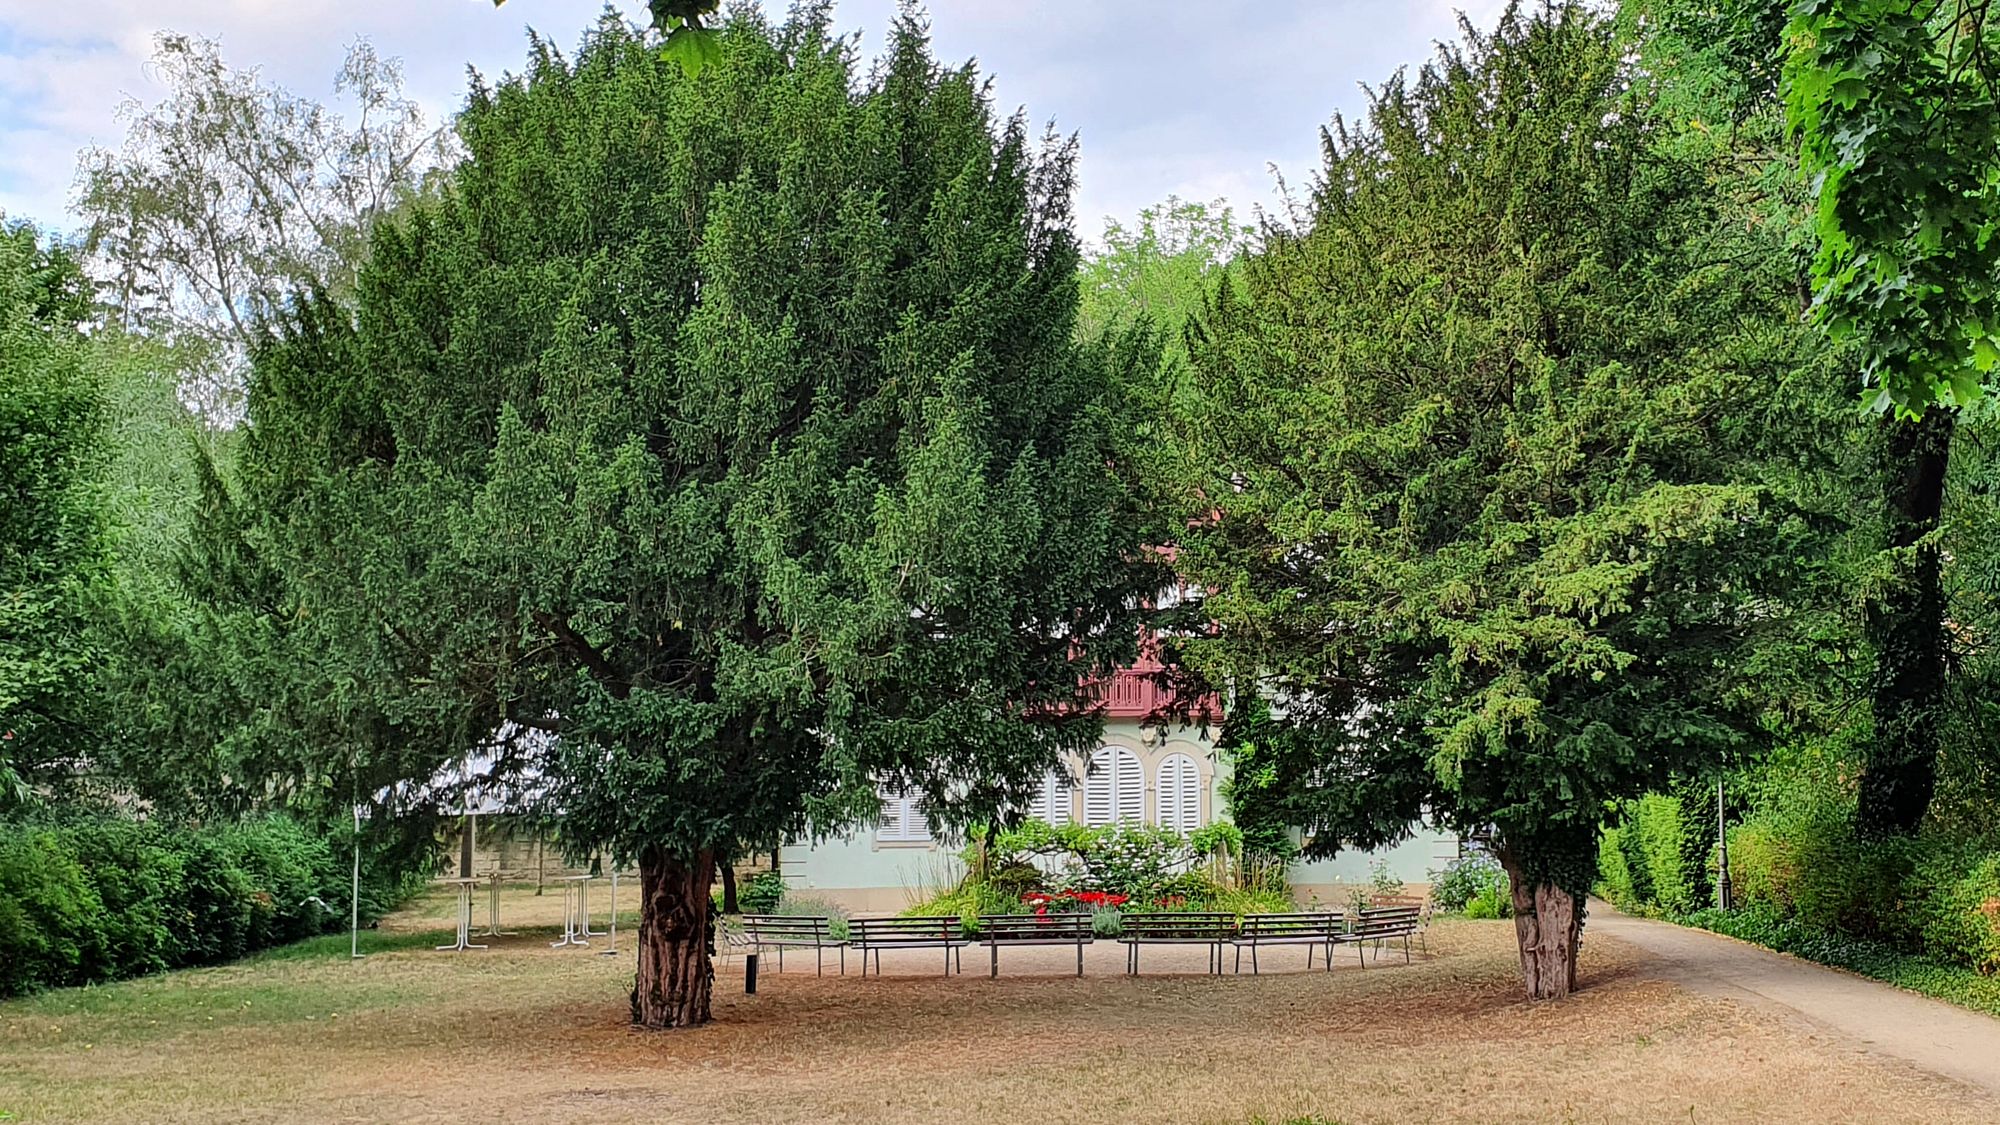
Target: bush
<point>99,898</point>
<point>761,893</point>
<point>1462,881</point>
<point>809,906</point>
<point>1496,901</point>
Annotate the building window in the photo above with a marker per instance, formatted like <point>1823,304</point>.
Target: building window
<point>1051,802</point>
<point>903,820</point>
<point>1115,788</point>
<point>1180,793</point>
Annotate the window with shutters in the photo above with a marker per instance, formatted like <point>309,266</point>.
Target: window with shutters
<point>1115,788</point>
<point>1051,801</point>
<point>1180,793</point>
<point>903,820</point>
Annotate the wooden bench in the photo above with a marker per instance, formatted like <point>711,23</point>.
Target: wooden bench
<point>1317,929</point>
<point>1213,929</point>
<point>780,932</point>
<point>1384,923</point>
<point>934,932</point>
<point>1421,902</point>
<point>996,930</point>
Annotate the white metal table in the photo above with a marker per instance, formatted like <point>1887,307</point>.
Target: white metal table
<point>493,907</point>
<point>464,941</point>
<point>576,911</point>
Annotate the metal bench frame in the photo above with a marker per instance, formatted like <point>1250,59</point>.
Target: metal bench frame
<point>1378,924</point>
<point>996,930</point>
<point>782,931</point>
<point>932,932</point>
<point>1316,929</point>
<point>1211,928</point>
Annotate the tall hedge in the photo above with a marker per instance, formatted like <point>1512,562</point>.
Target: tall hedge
<point>95,899</point>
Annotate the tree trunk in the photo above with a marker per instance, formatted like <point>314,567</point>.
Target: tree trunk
<point>1906,626</point>
<point>675,939</point>
<point>1547,923</point>
<point>729,889</point>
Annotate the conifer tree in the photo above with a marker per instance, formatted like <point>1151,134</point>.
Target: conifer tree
<point>722,444</point>
<point>1495,454</point>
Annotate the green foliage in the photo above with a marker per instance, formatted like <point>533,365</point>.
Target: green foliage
<point>761,893</point>
<point>732,430</point>
<point>53,520</point>
<point>812,906</point>
<point>1658,858</point>
<point>91,899</point>
<point>1144,862</point>
<point>1493,900</point>
<point>1893,102</point>
<point>1493,497</point>
<point>1465,879</point>
<point>1107,922</point>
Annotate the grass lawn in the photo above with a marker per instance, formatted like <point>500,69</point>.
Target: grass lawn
<point>522,1032</point>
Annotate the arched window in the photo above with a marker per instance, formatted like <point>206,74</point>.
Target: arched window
<point>1115,789</point>
<point>1180,793</point>
<point>1051,801</point>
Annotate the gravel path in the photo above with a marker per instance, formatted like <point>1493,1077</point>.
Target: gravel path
<point>1931,1034</point>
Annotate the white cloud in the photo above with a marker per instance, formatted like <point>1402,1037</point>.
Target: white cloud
<point>1169,96</point>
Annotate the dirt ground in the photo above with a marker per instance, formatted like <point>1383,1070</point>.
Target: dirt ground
<point>523,1032</point>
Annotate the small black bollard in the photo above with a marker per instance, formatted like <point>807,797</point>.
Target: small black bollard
<point>750,974</point>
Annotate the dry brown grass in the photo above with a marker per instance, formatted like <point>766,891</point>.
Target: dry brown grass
<point>522,1033</point>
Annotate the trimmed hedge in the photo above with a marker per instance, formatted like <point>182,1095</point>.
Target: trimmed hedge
<point>102,898</point>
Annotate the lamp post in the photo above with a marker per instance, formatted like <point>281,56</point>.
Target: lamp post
<point>1724,899</point>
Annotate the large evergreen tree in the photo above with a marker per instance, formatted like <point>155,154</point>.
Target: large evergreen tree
<point>720,443</point>
<point>1491,510</point>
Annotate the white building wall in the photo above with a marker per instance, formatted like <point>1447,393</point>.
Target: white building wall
<point>863,873</point>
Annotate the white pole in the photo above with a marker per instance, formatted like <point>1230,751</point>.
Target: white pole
<point>354,915</point>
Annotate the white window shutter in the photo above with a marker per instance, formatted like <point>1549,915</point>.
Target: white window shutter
<point>903,818</point>
<point>1052,802</point>
<point>1115,788</point>
<point>1131,788</point>
<point>1180,794</point>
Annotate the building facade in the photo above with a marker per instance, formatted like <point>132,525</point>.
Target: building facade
<point>1136,774</point>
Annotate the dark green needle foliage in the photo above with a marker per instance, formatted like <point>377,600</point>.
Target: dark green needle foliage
<point>720,442</point>
<point>1499,450</point>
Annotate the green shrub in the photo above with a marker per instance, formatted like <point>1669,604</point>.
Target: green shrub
<point>1658,835</point>
<point>1614,872</point>
<point>1455,886</point>
<point>761,893</point>
<point>1951,901</point>
<point>1107,922</point>
<point>48,907</point>
<point>97,898</point>
<point>1494,901</point>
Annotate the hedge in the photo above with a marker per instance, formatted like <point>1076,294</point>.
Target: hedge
<point>101,898</point>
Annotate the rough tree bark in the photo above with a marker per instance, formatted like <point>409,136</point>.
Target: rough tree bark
<point>675,939</point>
<point>1906,626</point>
<point>1548,921</point>
<point>729,889</point>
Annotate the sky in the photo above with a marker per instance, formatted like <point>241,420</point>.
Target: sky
<point>1169,97</point>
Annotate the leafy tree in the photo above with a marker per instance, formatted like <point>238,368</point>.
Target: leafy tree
<point>52,511</point>
<point>231,192</point>
<point>1161,269</point>
<point>730,431</point>
<point>1893,101</point>
<point>1494,505</point>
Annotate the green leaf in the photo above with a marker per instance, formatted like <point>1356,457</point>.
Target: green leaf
<point>693,48</point>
